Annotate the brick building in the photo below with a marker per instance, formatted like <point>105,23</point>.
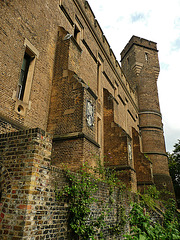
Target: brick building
<point>59,74</point>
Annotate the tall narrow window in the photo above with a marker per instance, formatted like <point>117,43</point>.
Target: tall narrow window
<point>77,34</point>
<point>78,30</point>
<point>116,90</point>
<point>98,130</point>
<point>130,151</point>
<point>23,76</point>
<point>22,94</point>
<point>146,57</point>
<point>99,72</point>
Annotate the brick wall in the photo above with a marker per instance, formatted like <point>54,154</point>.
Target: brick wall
<point>28,207</point>
<point>116,152</point>
<point>40,25</point>
<point>57,98</point>
<point>67,115</point>
<point>115,139</point>
<point>6,127</point>
<point>37,23</point>
<point>25,158</point>
<point>142,164</point>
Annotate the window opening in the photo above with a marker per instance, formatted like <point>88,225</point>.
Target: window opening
<point>99,70</point>
<point>115,92</point>
<point>98,130</point>
<point>130,152</point>
<point>77,34</point>
<point>22,93</point>
<point>23,76</point>
<point>146,57</point>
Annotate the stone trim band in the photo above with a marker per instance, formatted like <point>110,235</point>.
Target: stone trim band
<point>75,135</point>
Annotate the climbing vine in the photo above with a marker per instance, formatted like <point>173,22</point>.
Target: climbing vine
<point>118,228</point>
<point>80,192</point>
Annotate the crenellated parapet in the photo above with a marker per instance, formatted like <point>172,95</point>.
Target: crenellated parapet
<point>139,42</point>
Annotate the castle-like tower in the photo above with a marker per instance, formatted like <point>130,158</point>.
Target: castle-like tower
<point>141,66</point>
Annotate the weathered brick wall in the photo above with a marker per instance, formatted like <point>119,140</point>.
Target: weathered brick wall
<point>24,159</point>
<point>142,164</point>
<point>66,75</point>
<point>67,115</point>
<point>57,100</point>
<point>115,139</point>
<point>116,154</point>
<point>39,22</point>
<point>68,100</point>
<point>6,127</point>
<point>28,207</point>
<point>66,112</point>
<point>68,153</point>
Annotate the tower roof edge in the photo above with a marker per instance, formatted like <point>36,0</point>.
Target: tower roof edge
<point>142,42</point>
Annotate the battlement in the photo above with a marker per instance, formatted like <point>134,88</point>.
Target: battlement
<point>139,42</point>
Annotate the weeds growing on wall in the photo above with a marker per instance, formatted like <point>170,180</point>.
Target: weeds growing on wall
<point>80,191</point>
<point>80,195</point>
<point>142,226</point>
<point>118,228</point>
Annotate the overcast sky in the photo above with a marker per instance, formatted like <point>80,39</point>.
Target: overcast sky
<point>158,21</point>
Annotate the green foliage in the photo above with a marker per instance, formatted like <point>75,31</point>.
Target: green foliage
<point>143,228</point>
<point>80,190</point>
<point>121,222</point>
<point>140,223</point>
<point>152,192</point>
<point>174,169</point>
<point>150,197</point>
<point>80,195</point>
<point>169,217</point>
